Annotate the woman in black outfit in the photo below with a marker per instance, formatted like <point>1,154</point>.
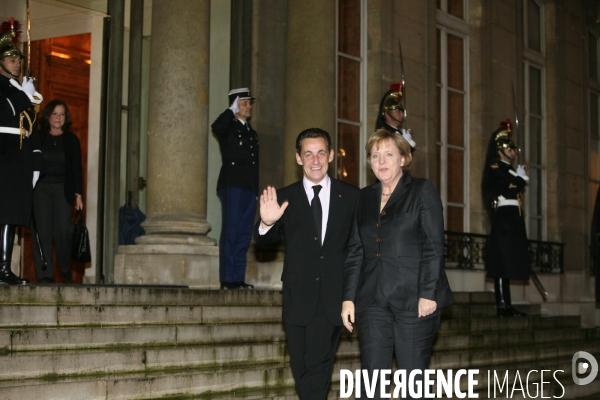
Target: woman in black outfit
<point>57,191</point>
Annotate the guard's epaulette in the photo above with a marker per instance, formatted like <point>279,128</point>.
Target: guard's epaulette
<point>494,166</point>
<point>512,186</point>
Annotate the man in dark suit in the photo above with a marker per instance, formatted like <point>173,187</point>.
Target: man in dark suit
<point>315,216</point>
<point>237,187</point>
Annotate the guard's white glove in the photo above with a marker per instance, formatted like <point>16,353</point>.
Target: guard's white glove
<point>406,134</point>
<point>522,172</point>
<point>36,176</point>
<point>234,107</point>
<point>35,97</point>
<point>28,86</point>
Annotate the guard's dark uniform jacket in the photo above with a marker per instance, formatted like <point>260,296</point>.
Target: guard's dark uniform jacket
<point>239,152</point>
<point>18,159</point>
<point>507,250</point>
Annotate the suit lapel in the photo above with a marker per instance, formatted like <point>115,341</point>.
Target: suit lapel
<point>304,210</point>
<point>400,190</point>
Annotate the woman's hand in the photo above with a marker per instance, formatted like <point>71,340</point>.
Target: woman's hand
<point>348,314</point>
<point>78,202</point>
<point>426,307</point>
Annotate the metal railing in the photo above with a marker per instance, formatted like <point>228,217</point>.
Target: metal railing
<point>468,251</point>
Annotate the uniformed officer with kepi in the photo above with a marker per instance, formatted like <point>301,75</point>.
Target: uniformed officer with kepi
<point>237,187</point>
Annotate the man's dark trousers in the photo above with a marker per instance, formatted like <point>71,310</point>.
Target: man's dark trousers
<point>238,207</point>
<point>312,354</point>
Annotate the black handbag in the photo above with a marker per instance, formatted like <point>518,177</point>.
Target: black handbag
<point>80,241</point>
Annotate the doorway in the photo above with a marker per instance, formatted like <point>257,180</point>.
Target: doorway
<point>62,69</point>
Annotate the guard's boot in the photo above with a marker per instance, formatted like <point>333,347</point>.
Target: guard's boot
<point>7,237</point>
<point>506,291</point>
<point>502,309</point>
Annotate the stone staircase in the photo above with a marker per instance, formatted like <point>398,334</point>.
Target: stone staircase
<point>131,342</point>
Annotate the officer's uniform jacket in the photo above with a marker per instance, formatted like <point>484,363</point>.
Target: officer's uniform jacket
<point>19,156</point>
<point>239,152</point>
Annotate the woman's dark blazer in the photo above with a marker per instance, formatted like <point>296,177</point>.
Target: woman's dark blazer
<point>73,169</point>
<point>400,248</point>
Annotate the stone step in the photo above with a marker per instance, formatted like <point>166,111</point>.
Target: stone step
<point>110,315</point>
<point>450,351</point>
<point>270,383</point>
<point>456,341</point>
<point>469,310</point>
<point>510,355</point>
<point>566,389</point>
<point>121,342</point>
<point>455,332</point>
<point>105,362</point>
<point>161,295</point>
<point>160,384</point>
<point>146,335</point>
<point>134,295</point>
<point>507,325</point>
<point>54,383</point>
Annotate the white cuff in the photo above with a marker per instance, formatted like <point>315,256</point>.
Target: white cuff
<point>261,230</point>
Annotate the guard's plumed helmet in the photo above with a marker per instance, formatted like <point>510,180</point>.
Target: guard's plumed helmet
<point>502,136</point>
<point>7,38</point>
<point>393,99</point>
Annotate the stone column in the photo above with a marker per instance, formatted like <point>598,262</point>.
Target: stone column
<point>178,112</point>
<point>310,75</point>
<point>175,249</point>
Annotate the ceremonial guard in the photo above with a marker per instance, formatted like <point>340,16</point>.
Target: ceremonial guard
<point>502,188</point>
<point>391,114</point>
<point>237,187</point>
<point>20,155</point>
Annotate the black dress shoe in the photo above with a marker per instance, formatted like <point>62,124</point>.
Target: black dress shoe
<point>504,312</point>
<point>516,313</point>
<point>8,277</point>
<point>229,286</point>
<point>244,285</point>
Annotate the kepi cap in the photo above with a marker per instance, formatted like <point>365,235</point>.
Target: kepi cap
<point>242,93</point>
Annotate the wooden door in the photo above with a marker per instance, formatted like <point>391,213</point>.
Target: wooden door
<point>61,67</point>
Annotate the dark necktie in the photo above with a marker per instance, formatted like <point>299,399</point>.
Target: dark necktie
<point>317,210</point>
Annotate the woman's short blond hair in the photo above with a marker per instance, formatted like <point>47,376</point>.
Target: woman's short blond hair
<point>403,146</point>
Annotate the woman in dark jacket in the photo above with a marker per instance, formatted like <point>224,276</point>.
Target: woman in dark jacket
<point>58,190</point>
<point>394,279</point>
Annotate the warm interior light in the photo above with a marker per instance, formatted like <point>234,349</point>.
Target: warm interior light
<point>60,55</point>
